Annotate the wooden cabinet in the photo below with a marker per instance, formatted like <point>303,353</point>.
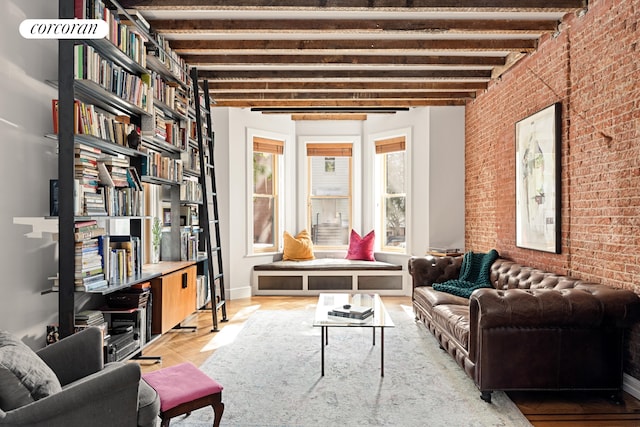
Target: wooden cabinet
<point>173,298</point>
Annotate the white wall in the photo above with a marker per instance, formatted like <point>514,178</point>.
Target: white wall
<point>437,174</point>
<point>29,161</point>
<point>231,127</point>
<point>446,177</point>
<point>436,207</point>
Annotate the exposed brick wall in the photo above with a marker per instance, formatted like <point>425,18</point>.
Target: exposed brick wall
<point>593,68</point>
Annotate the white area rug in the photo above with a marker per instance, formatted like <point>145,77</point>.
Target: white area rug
<point>271,377</point>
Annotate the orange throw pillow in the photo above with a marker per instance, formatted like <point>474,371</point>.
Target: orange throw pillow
<point>299,248</point>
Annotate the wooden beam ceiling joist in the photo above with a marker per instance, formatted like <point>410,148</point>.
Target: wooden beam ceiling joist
<point>346,74</point>
<point>368,103</point>
<point>454,5</point>
<point>375,27</point>
<point>365,60</point>
<point>267,47</point>
<point>296,95</point>
<point>379,85</point>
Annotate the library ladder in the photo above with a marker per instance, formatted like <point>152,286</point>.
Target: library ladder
<point>209,199</point>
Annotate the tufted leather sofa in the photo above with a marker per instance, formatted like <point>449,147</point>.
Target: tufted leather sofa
<point>534,330</point>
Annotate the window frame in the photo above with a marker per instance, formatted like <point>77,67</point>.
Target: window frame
<point>379,184</point>
<point>304,190</point>
<point>256,137</point>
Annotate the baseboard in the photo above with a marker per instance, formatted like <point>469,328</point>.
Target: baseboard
<point>631,385</point>
<point>238,293</point>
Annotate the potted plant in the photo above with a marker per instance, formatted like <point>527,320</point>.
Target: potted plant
<point>156,239</point>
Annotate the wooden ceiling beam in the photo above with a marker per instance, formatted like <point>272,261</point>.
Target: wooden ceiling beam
<point>208,60</point>
<point>454,5</point>
<point>267,47</point>
<point>219,86</point>
<point>345,74</point>
<point>325,103</point>
<point>375,27</point>
<point>338,95</point>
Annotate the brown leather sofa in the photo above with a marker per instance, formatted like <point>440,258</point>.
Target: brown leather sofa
<point>534,330</point>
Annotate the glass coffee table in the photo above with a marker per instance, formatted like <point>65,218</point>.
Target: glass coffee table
<point>344,303</point>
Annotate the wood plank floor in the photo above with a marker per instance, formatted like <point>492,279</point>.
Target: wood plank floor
<point>566,409</point>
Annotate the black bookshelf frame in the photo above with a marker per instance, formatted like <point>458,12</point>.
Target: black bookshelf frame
<point>66,258</point>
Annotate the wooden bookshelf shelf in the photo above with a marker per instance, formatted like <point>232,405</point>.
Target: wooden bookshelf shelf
<point>113,52</point>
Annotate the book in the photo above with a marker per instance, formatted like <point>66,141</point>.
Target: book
<point>349,318</point>
<point>352,312</point>
<point>133,178</point>
<point>54,110</point>
<point>105,177</point>
<point>80,225</point>
<point>89,234</point>
<point>444,251</point>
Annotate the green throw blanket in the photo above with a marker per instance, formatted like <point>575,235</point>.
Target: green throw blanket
<point>474,274</point>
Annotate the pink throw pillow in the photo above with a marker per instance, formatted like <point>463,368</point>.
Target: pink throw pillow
<point>361,248</point>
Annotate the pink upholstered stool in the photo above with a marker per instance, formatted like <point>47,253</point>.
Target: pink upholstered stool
<point>184,388</point>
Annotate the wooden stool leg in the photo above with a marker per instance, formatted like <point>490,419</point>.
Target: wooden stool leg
<point>165,422</point>
<point>218,409</point>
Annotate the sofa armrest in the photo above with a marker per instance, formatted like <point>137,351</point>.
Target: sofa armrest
<point>425,271</point>
<point>75,356</point>
<point>108,397</point>
<point>621,306</point>
<point>557,327</point>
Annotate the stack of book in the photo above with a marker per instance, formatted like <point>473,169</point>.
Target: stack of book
<point>89,318</point>
<point>89,273</point>
<point>436,251</point>
<point>160,129</point>
<point>352,312</point>
<point>86,174</point>
<point>112,170</point>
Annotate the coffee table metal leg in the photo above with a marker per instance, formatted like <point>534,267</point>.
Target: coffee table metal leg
<point>374,335</point>
<point>381,352</point>
<point>322,343</point>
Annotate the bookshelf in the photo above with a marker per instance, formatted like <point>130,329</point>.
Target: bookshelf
<point>122,125</point>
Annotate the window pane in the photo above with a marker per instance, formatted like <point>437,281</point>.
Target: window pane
<point>395,172</point>
<point>330,176</point>
<point>263,220</point>
<point>330,221</point>
<point>330,200</point>
<point>395,221</point>
<point>263,173</point>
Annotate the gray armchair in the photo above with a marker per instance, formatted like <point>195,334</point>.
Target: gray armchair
<point>82,391</point>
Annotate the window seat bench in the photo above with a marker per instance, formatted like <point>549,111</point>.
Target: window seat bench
<point>327,274</point>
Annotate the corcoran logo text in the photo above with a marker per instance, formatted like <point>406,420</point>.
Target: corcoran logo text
<point>64,29</point>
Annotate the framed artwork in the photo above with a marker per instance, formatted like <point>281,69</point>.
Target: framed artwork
<point>538,180</point>
<point>166,217</point>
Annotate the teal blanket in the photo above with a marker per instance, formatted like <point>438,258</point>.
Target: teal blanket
<point>474,274</point>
